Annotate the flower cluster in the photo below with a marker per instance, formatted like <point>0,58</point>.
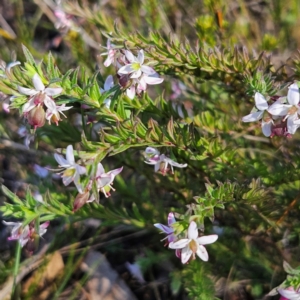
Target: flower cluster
<point>281,118</point>
<point>70,172</point>
<point>190,245</point>
<point>134,75</point>
<point>26,234</point>
<point>41,105</point>
<point>160,161</point>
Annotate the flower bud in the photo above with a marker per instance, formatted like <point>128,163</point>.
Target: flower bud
<point>36,117</point>
<point>80,200</point>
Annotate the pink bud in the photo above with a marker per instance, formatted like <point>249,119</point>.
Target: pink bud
<point>80,200</point>
<point>36,117</point>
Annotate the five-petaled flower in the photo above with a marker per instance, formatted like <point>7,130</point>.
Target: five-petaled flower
<point>136,66</point>
<point>193,244</point>
<point>160,161</point>
<point>261,113</point>
<point>72,171</point>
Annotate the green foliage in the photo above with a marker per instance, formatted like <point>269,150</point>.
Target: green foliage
<point>247,186</point>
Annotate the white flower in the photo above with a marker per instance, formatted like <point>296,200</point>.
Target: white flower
<point>53,110</point>
<point>289,293</point>
<point>39,95</point>
<point>111,54</point>
<point>262,113</point>
<point>193,244</point>
<point>140,85</point>
<point>136,65</point>
<point>160,161</point>
<point>168,229</point>
<point>108,84</point>
<point>105,180</point>
<point>26,233</point>
<point>72,170</point>
<point>290,110</point>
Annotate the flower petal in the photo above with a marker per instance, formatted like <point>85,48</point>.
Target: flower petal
<point>109,83</point>
<point>186,254</point>
<point>141,57</point>
<point>80,169</point>
<point>127,69</point>
<point>153,80</point>
<point>179,244</point>
<point>151,151</point>
<point>70,155</point>
<point>136,74</point>
<point>157,167</point>
<point>260,101</point>
<point>104,180</point>
<point>37,82</point>
<point>147,70</point>
<point>171,218</point>
<point>253,116</point>
<point>76,180</point>
<point>61,161</point>
<point>53,91</point>
<point>130,92</point>
<point>26,91</point>
<point>207,239</point>
<point>115,172</point>
<point>291,125</point>
<point>130,56</point>
<point>289,294</point>
<point>67,180</point>
<point>202,253</point>
<point>193,231</point>
<point>174,163</point>
<point>164,228</point>
<point>293,94</point>
<point>100,170</point>
<point>266,128</point>
<point>279,109</point>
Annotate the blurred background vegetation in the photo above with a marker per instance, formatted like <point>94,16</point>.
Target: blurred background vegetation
<point>259,227</point>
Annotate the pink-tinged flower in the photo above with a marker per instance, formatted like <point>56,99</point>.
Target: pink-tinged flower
<point>72,171</point>
<point>140,85</point>
<point>291,111</point>
<point>39,95</point>
<point>53,111</point>
<point>111,54</point>
<point>193,244</point>
<point>26,233</point>
<point>63,20</point>
<point>289,294</point>
<point>261,112</point>
<point>105,180</point>
<point>169,230</point>
<point>136,65</point>
<point>108,84</point>
<point>160,161</point>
